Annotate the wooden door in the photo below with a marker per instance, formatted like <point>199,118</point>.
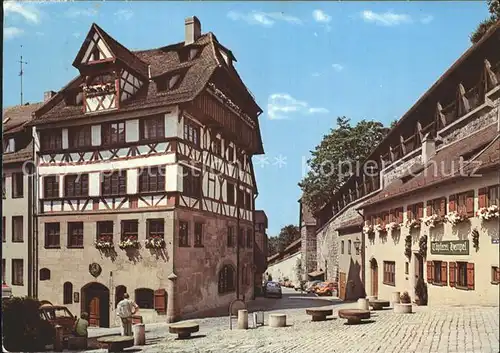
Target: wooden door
<point>94,312</point>
<point>342,284</point>
<point>374,279</point>
<point>419,267</point>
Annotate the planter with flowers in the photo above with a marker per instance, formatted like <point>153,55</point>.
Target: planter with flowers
<point>433,220</point>
<point>392,226</point>
<point>456,217</point>
<point>379,228</point>
<point>413,223</point>
<point>368,231</point>
<point>487,213</point>
<point>104,243</point>
<point>129,243</point>
<point>154,243</point>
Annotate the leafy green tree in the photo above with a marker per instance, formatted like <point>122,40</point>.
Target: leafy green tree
<point>272,246</point>
<point>334,159</point>
<point>288,235</point>
<point>485,25</point>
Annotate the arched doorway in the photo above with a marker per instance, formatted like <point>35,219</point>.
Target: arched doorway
<point>95,301</point>
<point>374,275</point>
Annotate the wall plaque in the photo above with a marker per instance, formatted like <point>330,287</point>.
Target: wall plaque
<point>450,247</point>
<point>95,269</point>
<point>76,297</point>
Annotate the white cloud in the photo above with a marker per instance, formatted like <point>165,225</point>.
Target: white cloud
<point>279,105</point>
<point>74,12</point>
<point>337,67</point>
<point>28,12</point>
<point>321,16</point>
<point>12,32</point>
<point>385,19</point>
<point>124,14</point>
<point>427,19</point>
<point>266,19</point>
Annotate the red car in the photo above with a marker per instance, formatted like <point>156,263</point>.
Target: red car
<point>58,315</point>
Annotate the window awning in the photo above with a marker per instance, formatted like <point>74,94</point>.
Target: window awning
<point>316,273</point>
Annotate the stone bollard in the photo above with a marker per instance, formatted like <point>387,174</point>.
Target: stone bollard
<point>363,304</point>
<point>395,298</point>
<point>277,320</point>
<point>403,308</point>
<point>372,298</point>
<point>243,319</point>
<point>139,335</point>
<point>58,341</point>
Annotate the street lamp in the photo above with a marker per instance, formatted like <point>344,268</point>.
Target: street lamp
<point>357,244</point>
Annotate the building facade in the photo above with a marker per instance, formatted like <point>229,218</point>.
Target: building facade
<point>260,249</point>
<point>146,182</point>
<point>436,219</point>
<point>18,250</point>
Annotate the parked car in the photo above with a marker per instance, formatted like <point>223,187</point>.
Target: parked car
<point>311,287</point>
<point>273,289</point>
<point>58,315</point>
<point>326,288</point>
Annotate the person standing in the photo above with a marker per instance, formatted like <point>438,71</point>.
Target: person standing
<point>81,326</point>
<point>125,309</point>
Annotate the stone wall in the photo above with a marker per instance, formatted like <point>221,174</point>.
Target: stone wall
<point>197,268</point>
<point>286,268</point>
<point>402,166</point>
<point>308,248</point>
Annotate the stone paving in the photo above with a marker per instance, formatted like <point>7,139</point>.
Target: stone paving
<point>428,329</point>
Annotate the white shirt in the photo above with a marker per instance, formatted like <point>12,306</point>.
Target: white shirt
<point>125,308</point>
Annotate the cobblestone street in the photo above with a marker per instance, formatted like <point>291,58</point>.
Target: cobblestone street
<point>429,329</point>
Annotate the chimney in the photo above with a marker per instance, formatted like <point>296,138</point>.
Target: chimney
<point>47,95</point>
<point>192,27</point>
<point>428,148</point>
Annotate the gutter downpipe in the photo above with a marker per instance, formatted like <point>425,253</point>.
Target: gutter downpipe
<point>237,228</point>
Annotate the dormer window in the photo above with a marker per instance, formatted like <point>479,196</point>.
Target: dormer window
<point>169,82</point>
<point>188,54</point>
<point>9,145</point>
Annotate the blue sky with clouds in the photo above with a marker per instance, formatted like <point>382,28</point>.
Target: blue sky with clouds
<point>306,63</point>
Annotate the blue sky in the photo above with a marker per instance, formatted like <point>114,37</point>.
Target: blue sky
<point>306,63</point>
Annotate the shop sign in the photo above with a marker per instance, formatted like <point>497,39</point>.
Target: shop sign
<point>450,247</point>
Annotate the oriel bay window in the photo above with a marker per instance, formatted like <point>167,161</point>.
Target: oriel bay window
<point>152,179</point>
<point>76,185</point>
<point>75,234</point>
<point>113,133</point>
<point>80,136</point>
<point>153,128</point>
<point>51,187</point>
<point>114,183</point>
<point>390,273</point>
<point>191,132</point>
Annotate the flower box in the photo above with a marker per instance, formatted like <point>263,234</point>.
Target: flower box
<point>368,229</point>
<point>392,226</point>
<point>379,228</point>
<point>487,213</point>
<point>154,243</point>
<point>104,243</point>
<point>433,220</point>
<point>413,223</point>
<point>128,243</point>
<point>455,217</point>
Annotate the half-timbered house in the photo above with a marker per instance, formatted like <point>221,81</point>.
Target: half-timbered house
<point>146,180</point>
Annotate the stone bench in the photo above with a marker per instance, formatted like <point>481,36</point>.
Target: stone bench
<point>184,329</point>
<point>319,314</point>
<point>117,343</point>
<point>379,304</point>
<point>277,320</point>
<point>77,343</point>
<point>354,316</point>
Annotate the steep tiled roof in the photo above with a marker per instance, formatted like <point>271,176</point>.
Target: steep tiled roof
<point>17,116</point>
<point>446,165</point>
<point>22,155</point>
<point>195,75</point>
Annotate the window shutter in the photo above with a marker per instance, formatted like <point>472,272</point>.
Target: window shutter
<point>442,207</point>
<point>160,301</point>
<point>430,271</point>
<point>452,204</point>
<point>470,275</point>
<point>429,208</point>
<point>483,197</point>
<point>444,274</point>
<point>420,210</point>
<point>452,273</point>
<point>470,204</point>
<point>400,215</point>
